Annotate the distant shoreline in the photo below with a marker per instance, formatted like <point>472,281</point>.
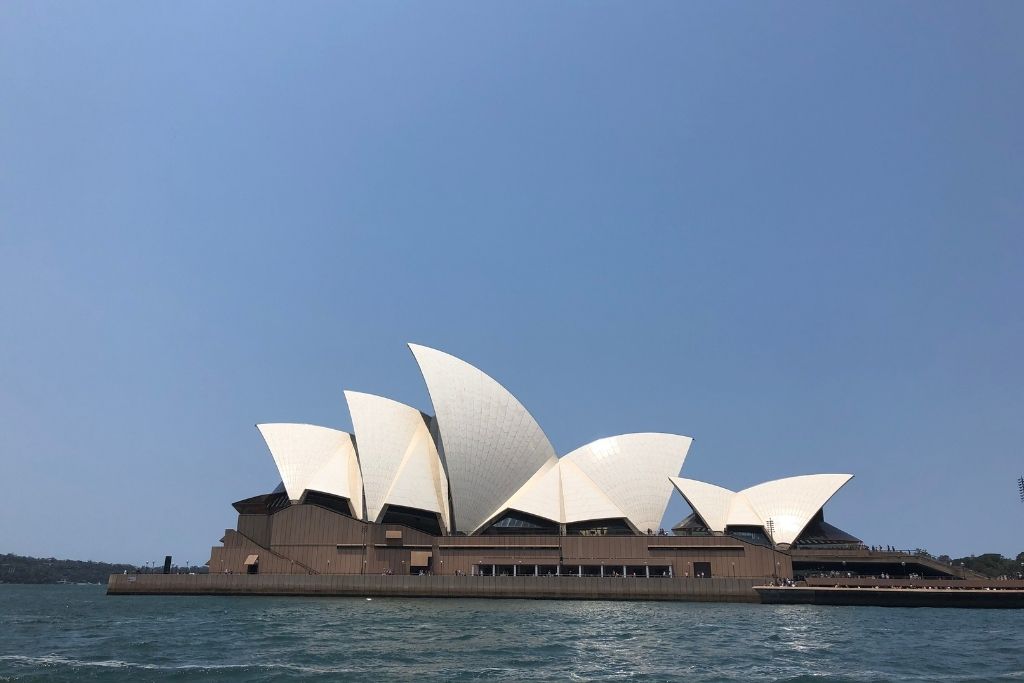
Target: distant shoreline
<point>22,569</point>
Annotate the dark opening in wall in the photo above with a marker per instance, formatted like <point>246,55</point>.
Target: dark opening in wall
<point>516,522</point>
<point>326,500</point>
<point>414,518</point>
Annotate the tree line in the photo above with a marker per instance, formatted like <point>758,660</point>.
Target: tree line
<point>992,565</point>
<point>22,569</point>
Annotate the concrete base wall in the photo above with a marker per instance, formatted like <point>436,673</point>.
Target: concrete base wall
<point>985,584</point>
<point>541,587</point>
<point>894,597</point>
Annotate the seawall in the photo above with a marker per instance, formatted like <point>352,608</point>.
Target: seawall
<point>893,596</point>
<point>528,587</point>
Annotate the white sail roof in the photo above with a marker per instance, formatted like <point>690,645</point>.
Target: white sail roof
<point>312,458</point>
<point>540,496</point>
<point>400,463</point>
<point>741,513</point>
<point>789,503</point>
<point>792,502</point>
<point>633,471</point>
<point>562,493</point>
<point>710,502</point>
<point>582,499</point>
<point>491,444</point>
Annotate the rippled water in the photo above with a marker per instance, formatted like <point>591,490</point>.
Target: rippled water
<point>78,633</point>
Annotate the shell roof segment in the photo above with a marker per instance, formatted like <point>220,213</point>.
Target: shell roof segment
<point>710,502</point>
<point>400,463</point>
<point>562,493</point>
<point>491,444</point>
<point>582,499</point>
<point>314,458</point>
<point>789,503</point>
<point>540,496</point>
<point>633,470</point>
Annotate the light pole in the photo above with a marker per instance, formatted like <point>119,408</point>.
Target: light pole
<point>770,528</point>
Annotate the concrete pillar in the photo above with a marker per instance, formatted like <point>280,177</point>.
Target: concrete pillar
<point>623,571</point>
<point>494,570</point>
<point>580,570</point>
<point>514,570</point>
<point>647,571</point>
<point>602,571</point>
<point>536,570</point>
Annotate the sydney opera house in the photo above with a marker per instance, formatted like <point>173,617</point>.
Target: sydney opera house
<point>476,489</point>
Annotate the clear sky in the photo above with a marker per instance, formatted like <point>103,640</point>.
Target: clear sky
<point>792,231</point>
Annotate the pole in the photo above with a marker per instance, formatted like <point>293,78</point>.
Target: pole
<point>362,570</point>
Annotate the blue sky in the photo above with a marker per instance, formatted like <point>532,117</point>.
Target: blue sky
<point>792,231</point>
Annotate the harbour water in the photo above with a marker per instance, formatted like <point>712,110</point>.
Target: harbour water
<point>78,633</point>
